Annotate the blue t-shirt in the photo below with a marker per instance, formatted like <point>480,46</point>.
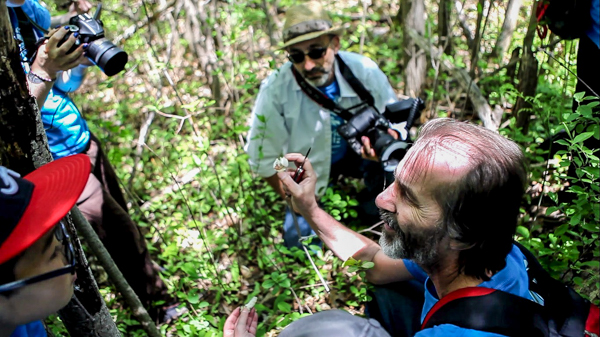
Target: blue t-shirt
<point>338,144</point>
<point>594,32</point>
<point>512,279</point>
<point>67,131</point>
<point>33,329</point>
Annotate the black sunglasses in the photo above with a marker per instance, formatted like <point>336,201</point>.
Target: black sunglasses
<point>63,237</point>
<point>297,56</point>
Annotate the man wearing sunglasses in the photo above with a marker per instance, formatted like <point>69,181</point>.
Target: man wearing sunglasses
<point>37,261</point>
<point>287,119</point>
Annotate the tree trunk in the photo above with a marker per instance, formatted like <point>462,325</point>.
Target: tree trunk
<point>462,20</point>
<point>115,275</point>
<point>511,71</point>
<point>489,117</point>
<point>444,29</point>
<point>23,143</point>
<point>528,76</point>
<point>508,27</point>
<point>415,61</point>
<point>477,41</point>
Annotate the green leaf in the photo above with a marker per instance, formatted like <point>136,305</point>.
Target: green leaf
<point>368,265</point>
<point>550,210</point>
<point>593,264</point>
<point>580,138</point>
<point>524,232</point>
<point>261,118</point>
<point>350,262</point>
<point>193,299</point>
<point>283,306</point>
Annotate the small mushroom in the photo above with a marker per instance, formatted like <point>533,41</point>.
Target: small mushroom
<point>280,164</point>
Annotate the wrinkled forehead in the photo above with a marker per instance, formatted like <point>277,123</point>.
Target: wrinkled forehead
<point>435,160</point>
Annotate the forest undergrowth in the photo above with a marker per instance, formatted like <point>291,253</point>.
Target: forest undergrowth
<point>175,122</point>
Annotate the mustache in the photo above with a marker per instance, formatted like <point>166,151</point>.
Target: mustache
<point>389,218</point>
<point>316,70</point>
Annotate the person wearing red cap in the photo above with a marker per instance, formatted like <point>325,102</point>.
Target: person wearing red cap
<point>102,202</point>
<point>37,260</point>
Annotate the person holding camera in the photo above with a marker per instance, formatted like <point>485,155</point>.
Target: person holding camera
<point>55,65</point>
<point>301,106</point>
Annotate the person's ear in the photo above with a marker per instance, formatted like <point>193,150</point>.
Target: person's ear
<point>335,43</point>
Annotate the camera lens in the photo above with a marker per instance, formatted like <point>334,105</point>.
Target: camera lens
<point>108,57</point>
<point>393,154</point>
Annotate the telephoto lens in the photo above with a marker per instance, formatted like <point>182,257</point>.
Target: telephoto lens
<point>90,29</point>
<point>108,57</point>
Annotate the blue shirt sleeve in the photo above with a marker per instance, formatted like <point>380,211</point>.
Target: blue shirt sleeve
<point>416,271</point>
<point>37,13</point>
<point>33,329</point>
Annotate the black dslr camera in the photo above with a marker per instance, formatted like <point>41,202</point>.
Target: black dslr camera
<point>369,122</point>
<point>108,57</point>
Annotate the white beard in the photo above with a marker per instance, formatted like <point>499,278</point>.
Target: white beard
<point>319,82</point>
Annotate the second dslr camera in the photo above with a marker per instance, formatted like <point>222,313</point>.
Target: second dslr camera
<point>108,57</point>
<point>368,122</point>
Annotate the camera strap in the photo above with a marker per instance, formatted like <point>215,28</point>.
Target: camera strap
<point>30,38</point>
<point>324,101</point>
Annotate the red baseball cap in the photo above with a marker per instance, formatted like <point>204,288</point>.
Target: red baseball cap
<point>31,206</point>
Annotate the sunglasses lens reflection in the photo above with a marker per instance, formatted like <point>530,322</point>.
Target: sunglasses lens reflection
<point>315,54</point>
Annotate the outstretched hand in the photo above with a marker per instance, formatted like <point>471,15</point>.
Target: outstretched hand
<point>241,322</point>
<point>302,193</point>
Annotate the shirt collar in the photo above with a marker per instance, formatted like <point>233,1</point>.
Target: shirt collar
<point>345,88</point>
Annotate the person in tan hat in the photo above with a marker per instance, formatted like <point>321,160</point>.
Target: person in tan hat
<point>301,105</point>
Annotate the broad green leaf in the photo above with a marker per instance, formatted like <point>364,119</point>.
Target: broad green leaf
<point>350,262</point>
<point>580,138</point>
<point>283,306</point>
<point>193,298</point>
<point>368,265</point>
<point>524,232</point>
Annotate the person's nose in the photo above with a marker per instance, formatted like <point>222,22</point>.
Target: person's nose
<point>386,199</point>
<point>309,64</point>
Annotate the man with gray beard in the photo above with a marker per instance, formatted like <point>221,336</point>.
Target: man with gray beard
<point>286,119</point>
<point>449,220</point>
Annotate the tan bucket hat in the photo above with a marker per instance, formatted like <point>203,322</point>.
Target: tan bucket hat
<point>305,22</point>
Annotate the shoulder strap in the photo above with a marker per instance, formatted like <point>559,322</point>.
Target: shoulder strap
<point>324,101</point>
<point>26,28</point>
<point>319,97</point>
<point>356,85</point>
<point>567,310</point>
<point>489,310</point>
